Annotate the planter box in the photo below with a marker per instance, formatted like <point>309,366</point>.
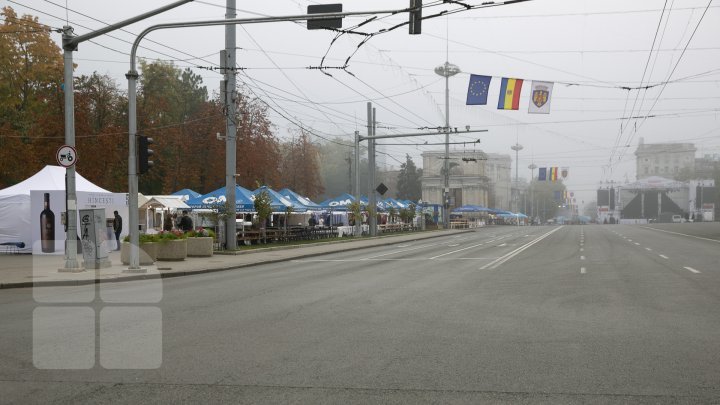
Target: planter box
<point>148,253</point>
<point>200,247</point>
<point>170,250</point>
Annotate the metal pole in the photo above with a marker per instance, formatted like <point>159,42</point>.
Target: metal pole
<point>446,180</point>
<point>71,262</point>
<point>132,174</point>
<point>370,151</point>
<point>372,200</point>
<point>230,128</point>
<point>357,166</point>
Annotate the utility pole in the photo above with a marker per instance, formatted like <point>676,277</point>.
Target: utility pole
<point>516,197</point>
<point>372,197</point>
<point>230,126</point>
<point>532,168</point>
<point>446,70</point>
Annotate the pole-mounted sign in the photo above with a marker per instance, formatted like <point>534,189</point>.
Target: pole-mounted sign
<point>66,156</point>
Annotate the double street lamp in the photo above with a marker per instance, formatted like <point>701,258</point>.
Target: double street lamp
<point>517,148</point>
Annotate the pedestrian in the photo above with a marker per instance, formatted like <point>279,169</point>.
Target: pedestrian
<point>117,227</point>
<point>168,223</point>
<point>186,223</point>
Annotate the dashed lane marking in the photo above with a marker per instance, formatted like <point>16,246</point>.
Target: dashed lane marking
<point>582,270</point>
<point>663,256</point>
<point>692,270</point>
<point>648,249</point>
<point>582,257</point>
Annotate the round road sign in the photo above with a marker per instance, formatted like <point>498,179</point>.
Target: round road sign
<point>66,156</point>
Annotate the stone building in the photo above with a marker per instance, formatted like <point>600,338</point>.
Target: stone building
<point>475,178</point>
<point>664,159</point>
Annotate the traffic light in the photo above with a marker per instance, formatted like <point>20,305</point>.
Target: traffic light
<point>144,154</point>
<point>415,23</point>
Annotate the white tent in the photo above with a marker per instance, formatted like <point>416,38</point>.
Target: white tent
<point>15,202</point>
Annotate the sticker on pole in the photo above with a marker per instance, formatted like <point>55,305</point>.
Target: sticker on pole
<point>66,156</point>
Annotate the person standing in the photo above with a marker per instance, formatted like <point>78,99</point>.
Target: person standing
<point>186,223</point>
<point>117,227</point>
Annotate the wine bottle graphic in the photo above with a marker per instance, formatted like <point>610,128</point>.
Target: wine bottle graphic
<point>47,227</point>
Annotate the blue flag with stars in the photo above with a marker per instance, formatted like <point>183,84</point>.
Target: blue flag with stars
<point>478,90</point>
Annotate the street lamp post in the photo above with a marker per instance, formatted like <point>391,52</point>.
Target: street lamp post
<point>446,70</point>
<point>532,168</point>
<point>517,148</point>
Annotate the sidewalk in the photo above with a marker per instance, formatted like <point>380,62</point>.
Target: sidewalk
<point>22,271</point>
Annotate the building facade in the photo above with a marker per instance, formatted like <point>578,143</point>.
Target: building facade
<point>664,159</point>
<point>475,178</point>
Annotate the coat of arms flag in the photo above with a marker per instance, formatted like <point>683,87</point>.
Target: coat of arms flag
<point>540,97</point>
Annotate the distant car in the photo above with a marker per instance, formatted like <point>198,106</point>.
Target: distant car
<point>678,219</point>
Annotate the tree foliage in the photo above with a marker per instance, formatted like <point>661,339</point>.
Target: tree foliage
<point>409,181</point>
<point>173,108</point>
<point>300,169</point>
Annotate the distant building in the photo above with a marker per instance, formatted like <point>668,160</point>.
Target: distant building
<point>706,166</point>
<point>475,178</point>
<point>664,159</point>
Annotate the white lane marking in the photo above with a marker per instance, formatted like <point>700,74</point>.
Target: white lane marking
<point>683,234</point>
<point>582,249</point>
<point>502,244</point>
<point>582,270</point>
<point>629,240</point>
<point>691,269</point>
<point>663,256</point>
<point>400,251</point>
<point>637,243</point>
<point>402,246</point>
<point>454,251</point>
<point>454,244</point>
<point>582,257</point>
<point>648,249</point>
<point>502,259</point>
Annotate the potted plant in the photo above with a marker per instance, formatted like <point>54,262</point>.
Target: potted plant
<point>200,242</point>
<point>171,245</point>
<point>148,249</point>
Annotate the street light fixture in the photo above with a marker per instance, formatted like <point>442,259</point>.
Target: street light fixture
<point>532,168</point>
<point>517,148</point>
<point>446,70</point>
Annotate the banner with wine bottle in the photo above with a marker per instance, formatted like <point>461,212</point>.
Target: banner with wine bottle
<point>47,214</point>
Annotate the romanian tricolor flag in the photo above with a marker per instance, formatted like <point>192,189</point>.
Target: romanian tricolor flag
<point>553,173</point>
<point>510,94</point>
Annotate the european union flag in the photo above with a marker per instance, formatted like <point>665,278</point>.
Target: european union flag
<point>478,90</point>
<point>542,173</point>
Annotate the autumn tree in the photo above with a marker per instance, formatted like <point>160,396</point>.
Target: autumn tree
<point>101,131</point>
<point>258,151</point>
<point>300,169</point>
<point>31,107</point>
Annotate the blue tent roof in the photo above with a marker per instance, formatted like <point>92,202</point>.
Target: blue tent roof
<point>397,204</point>
<point>188,193</point>
<point>216,199</point>
<point>339,203</point>
<point>278,203</point>
<point>296,198</point>
<point>379,203</point>
<point>471,208</point>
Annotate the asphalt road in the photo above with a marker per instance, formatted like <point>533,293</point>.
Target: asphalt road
<point>590,314</point>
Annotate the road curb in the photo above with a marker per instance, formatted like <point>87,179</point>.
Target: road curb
<point>161,275</point>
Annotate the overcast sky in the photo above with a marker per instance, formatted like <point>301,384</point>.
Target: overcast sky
<point>596,46</point>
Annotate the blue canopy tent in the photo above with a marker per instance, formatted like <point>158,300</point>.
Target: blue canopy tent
<point>278,203</point>
<point>339,203</point>
<point>296,198</point>
<point>471,208</point>
<point>398,205</point>
<point>216,199</point>
<point>187,194</point>
<point>364,201</point>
